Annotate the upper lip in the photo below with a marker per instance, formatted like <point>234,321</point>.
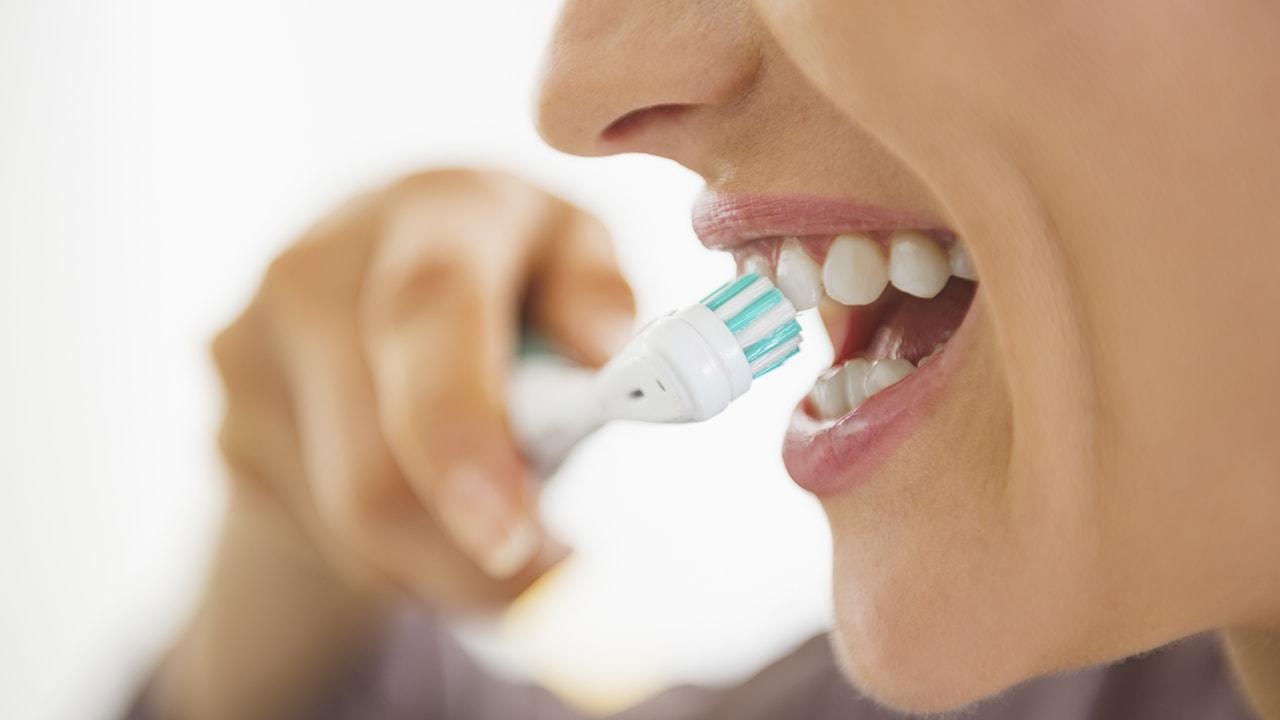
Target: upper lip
<point>724,222</point>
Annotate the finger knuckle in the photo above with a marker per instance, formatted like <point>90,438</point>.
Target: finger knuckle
<point>442,282</point>
<point>498,199</point>
<point>436,179</point>
<point>226,349</point>
<point>607,285</point>
<point>234,349</point>
<point>461,181</point>
<point>296,269</point>
<point>318,272</point>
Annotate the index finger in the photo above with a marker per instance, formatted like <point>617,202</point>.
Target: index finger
<point>440,314</point>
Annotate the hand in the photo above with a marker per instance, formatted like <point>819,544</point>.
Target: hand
<point>365,380</point>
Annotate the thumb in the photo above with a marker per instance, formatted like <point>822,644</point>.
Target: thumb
<point>578,297</point>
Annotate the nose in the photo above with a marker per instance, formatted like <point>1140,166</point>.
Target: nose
<point>636,75</point>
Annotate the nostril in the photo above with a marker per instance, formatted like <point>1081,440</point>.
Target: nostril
<point>619,129</point>
<point>622,76</point>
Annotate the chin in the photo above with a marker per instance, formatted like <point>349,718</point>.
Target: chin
<point>913,664</point>
<point>930,625</point>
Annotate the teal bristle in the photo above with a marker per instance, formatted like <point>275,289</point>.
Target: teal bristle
<point>757,350</point>
<point>748,306</point>
<point>775,364</point>
<point>728,291</point>
<point>752,312</point>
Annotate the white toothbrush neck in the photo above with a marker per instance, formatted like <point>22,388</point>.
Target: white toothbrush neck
<point>684,367</point>
<point>551,406</point>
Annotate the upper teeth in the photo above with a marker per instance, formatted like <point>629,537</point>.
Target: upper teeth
<point>857,270</point>
<point>917,265</point>
<point>758,265</point>
<point>799,277</point>
<point>961,263</point>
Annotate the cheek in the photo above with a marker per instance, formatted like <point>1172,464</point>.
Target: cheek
<point>964,566</point>
<point>843,48</point>
<point>923,76</point>
<point>1050,136</point>
<point>878,59</point>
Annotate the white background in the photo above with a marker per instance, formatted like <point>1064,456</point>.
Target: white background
<point>153,157</point>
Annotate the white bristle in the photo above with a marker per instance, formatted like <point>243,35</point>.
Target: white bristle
<point>763,341</point>
<point>735,304</point>
<point>774,355</point>
<point>766,324</point>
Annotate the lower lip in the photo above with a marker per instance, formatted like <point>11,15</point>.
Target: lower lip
<point>830,457</point>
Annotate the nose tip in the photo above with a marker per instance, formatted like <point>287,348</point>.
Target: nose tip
<point>620,74</point>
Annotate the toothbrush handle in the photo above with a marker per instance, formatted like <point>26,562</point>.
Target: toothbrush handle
<point>551,406</point>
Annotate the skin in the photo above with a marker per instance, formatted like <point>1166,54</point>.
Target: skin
<point>367,466</point>
<point>1101,477</point>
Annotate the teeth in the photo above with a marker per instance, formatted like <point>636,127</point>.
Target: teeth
<point>839,391</point>
<point>932,354</point>
<point>758,265</point>
<point>855,272</point>
<point>799,277</point>
<point>886,372</point>
<point>917,265</point>
<point>829,396</point>
<point>854,375</point>
<point>961,263</point>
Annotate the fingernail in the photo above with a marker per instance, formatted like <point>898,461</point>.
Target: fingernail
<point>513,552</point>
<point>484,524</point>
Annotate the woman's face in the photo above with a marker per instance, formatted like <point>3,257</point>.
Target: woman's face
<point>1088,468</point>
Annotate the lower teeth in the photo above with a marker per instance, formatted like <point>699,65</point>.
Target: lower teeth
<point>840,390</point>
<point>932,354</point>
<point>885,373</point>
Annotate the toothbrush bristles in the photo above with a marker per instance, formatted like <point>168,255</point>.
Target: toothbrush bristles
<point>762,320</point>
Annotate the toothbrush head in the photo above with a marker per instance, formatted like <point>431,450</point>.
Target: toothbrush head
<point>690,365</point>
<point>762,321</point>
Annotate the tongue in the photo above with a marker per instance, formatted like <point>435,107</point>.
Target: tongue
<point>913,326</point>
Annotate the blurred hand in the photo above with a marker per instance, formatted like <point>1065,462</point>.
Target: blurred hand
<point>365,380</point>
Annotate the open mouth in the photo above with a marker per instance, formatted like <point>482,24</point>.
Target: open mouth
<point>894,290</point>
<point>890,302</point>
